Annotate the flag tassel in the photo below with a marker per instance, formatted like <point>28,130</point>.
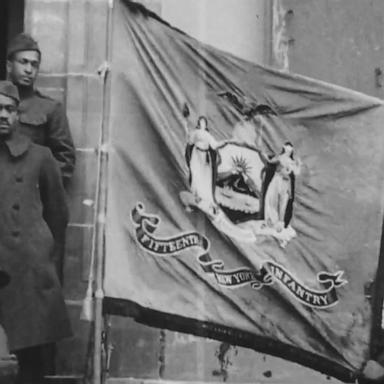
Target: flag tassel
<point>87,307</point>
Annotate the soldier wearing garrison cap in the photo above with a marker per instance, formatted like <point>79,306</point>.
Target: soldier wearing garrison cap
<point>8,89</point>
<point>33,220</point>
<point>40,117</point>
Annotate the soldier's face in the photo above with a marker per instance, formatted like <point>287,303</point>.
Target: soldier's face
<point>202,124</point>
<point>8,115</point>
<point>23,68</point>
<point>288,148</point>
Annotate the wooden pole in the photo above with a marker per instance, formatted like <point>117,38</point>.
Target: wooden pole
<point>101,204</point>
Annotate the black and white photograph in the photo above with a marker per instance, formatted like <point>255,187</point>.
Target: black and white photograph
<point>192,191</point>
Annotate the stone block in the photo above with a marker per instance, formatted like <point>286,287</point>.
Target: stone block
<point>339,42</point>
<point>46,80</point>
<point>77,35</point>
<point>97,12</point>
<point>190,358</point>
<point>84,109</point>
<point>82,188</point>
<point>76,106</point>
<point>4,351</point>
<point>76,264</point>
<point>195,355</point>
<point>92,126</point>
<point>73,353</point>
<point>47,21</point>
<point>54,93</point>
<point>136,349</point>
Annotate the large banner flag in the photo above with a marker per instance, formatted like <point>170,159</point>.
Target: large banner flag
<point>244,204</point>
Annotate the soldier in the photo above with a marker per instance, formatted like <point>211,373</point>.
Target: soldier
<point>41,118</point>
<point>33,219</point>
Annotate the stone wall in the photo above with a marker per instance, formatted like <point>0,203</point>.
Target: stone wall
<point>338,41</point>
<point>72,36</point>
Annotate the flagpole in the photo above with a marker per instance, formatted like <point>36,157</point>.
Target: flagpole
<point>101,205</point>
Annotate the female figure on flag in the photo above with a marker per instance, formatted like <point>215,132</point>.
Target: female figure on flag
<point>201,157</point>
<point>280,191</point>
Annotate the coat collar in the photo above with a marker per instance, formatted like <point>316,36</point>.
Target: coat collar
<point>17,144</point>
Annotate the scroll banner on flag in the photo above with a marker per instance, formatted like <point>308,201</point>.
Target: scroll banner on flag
<point>244,204</point>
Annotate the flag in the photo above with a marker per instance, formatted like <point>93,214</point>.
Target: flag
<point>244,204</point>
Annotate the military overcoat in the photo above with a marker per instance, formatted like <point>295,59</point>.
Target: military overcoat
<point>33,219</point>
<point>45,122</point>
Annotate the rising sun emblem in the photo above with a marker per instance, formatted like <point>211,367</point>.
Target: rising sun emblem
<point>240,165</point>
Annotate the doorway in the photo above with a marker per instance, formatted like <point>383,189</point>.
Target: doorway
<point>11,23</point>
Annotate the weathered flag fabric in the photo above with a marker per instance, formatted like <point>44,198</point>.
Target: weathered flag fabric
<point>244,204</point>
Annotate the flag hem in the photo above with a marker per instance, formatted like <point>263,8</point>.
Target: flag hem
<point>157,319</point>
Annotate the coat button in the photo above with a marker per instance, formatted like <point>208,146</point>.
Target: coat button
<point>16,206</point>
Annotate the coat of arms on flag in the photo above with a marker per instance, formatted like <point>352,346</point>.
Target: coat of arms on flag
<point>247,193</point>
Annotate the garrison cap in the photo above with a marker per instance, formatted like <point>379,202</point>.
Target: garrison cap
<point>9,89</point>
<point>22,42</point>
